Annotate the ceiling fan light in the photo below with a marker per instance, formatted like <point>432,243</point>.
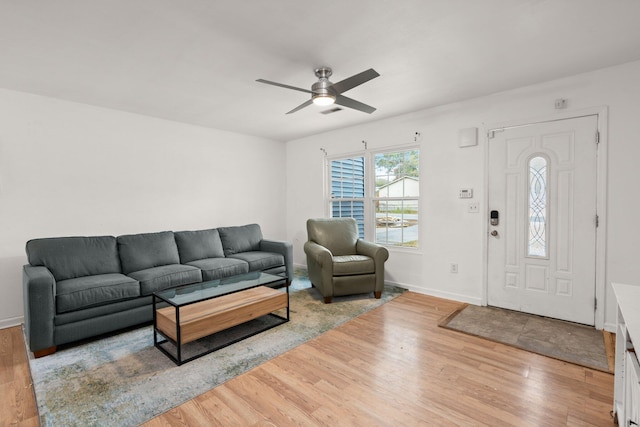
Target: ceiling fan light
<point>324,100</point>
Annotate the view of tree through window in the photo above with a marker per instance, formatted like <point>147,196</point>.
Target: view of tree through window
<point>397,191</point>
<point>393,196</point>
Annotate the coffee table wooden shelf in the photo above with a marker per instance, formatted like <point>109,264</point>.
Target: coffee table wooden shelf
<point>203,309</point>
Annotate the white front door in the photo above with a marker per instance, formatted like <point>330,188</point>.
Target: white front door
<point>542,189</point>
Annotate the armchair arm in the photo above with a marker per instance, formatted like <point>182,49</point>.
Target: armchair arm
<point>379,254</point>
<point>39,288</point>
<point>283,248</point>
<point>319,254</point>
<point>320,267</point>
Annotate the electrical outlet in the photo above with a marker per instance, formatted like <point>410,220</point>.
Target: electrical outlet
<point>453,268</point>
<point>473,207</point>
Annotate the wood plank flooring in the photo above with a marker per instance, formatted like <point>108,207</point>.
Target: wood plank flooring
<point>392,366</point>
<point>17,402</point>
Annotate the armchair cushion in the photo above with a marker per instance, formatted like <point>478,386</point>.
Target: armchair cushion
<point>350,265</point>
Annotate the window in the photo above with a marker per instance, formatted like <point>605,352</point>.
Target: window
<point>397,191</point>
<point>347,190</point>
<point>390,193</point>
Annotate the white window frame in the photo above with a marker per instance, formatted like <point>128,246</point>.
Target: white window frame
<point>370,188</point>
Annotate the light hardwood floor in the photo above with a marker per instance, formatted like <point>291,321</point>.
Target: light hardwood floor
<point>391,366</point>
<point>17,402</point>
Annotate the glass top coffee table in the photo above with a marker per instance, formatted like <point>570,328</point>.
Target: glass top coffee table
<point>190,321</point>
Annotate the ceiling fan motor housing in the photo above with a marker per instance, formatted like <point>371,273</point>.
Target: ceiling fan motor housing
<point>322,88</point>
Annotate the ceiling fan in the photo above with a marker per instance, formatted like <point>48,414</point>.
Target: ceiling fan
<point>323,92</point>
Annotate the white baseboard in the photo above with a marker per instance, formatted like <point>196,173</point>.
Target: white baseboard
<point>610,327</point>
<point>438,293</point>
<point>12,321</point>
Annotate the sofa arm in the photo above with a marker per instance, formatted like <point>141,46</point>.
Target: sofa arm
<point>283,248</point>
<point>39,290</point>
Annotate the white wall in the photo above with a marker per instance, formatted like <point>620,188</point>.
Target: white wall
<point>448,233</point>
<point>72,169</point>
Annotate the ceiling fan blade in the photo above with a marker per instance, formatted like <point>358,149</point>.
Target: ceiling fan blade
<point>352,103</point>
<point>301,106</point>
<point>283,85</point>
<point>353,81</point>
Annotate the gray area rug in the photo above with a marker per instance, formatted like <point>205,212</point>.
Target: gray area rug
<point>570,342</point>
<point>123,380</point>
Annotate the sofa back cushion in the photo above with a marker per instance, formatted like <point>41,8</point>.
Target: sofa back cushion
<point>71,257</point>
<point>244,238</point>
<point>147,250</point>
<point>197,245</point>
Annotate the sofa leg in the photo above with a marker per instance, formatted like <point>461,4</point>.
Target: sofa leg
<point>327,300</point>
<point>377,294</point>
<point>44,352</point>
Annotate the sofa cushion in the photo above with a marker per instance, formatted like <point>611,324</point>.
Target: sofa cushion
<point>201,244</point>
<point>217,268</point>
<point>148,250</point>
<point>102,310</point>
<point>259,261</point>
<point>89,291</point>
<point>348,265</point>
<point>71,257</point>
<point>166,276</point>
<point>240,239</point>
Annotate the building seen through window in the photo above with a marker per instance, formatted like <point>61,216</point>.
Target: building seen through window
<point>392,198</point>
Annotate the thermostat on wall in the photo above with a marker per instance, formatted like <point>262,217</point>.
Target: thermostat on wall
<point>466,193</point>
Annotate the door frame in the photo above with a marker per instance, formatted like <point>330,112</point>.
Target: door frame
<point>602,114</point>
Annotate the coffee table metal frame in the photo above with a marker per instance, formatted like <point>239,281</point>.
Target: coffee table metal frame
<point>182,296</point>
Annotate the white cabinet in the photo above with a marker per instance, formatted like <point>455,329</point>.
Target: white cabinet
<point>626,399</point>
<point>632,390</point>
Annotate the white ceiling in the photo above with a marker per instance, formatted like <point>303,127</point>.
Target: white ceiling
<point>197,61</point>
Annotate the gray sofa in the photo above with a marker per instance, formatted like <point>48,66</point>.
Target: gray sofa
<point>79,287</point>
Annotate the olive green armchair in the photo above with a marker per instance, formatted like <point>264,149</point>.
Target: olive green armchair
<point>339,262</point>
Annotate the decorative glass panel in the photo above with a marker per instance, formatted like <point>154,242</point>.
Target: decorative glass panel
<point>537,245</point>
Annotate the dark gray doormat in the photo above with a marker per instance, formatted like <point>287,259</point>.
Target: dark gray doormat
<point>571,342</point>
